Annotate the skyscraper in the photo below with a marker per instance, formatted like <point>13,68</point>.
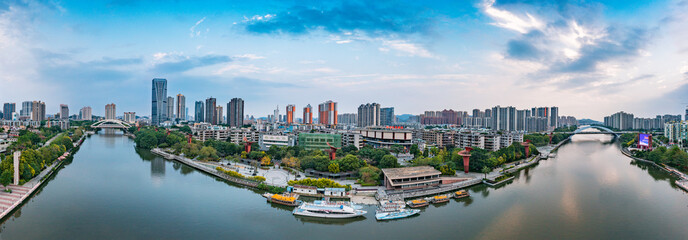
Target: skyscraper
<point>64,111</point>
<point>369,115</point>
<point>86,113</point>
<point>276,115</point>
<point>110,111</point>
<point>219,114</point>
<point>686,117</point>
<point>129,117</point>
<point>170,108</point>
<point>554,117</point>
<point>159,101</point>
<point>181,107</point>
<point>503,118</point>
<point>327,113</point>
<point>25,112</point>
<point>290,113</point>
<point>210,110</point>
<point>308,114</point>
<point>198,112</point>
<point>235,112</point>
<point>38,111</point>
<point>8,109</point>
<point>387,116</point>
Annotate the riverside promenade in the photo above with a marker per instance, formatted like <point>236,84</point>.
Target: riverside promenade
<point>20,193</point>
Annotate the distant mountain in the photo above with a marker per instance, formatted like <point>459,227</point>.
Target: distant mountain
<point>586,121</point>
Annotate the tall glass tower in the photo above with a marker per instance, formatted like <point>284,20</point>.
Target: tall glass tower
<point>159,106</point>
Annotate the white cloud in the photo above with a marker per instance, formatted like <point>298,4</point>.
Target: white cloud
<point>508,20</point>
<point>193,32</point>
<point>248,56</point>
<point>406,47</point>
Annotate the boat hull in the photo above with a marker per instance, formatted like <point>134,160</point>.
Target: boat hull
<point>305,213</point>
<point>396,215</point>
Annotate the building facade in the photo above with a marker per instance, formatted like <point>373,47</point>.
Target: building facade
<point>387,116</point>
<point>129,117</point>
<point>110,111</point>
<point>159,101</point>
<point>291,109</point>
<point>181,107</point>
<point>210,108</point>
<point>25,112</point>
<point>64,111</point>
<point>198,112</point>
<point>8,109</point>
<point>307,115</point>
<point>38,112</point>
<point>327,113</point>
<point>369,115</point>
<point>319,141</point>
<point>86,114</point>
<point>235,112</point>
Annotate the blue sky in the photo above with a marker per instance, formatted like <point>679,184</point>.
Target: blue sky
<point>589,58</point>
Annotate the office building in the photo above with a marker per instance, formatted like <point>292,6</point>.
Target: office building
<point>64,111</point>
<point>276,115</point>
<point>159,101</point>
<point>198,112</point>
<point>25,112</point>
<point>210,108</point>
<point>369,115</point>
<point>170,108</point>
<point>110,111</point>
<point>86,113</point>
<point>319,141</point>
<point>181,107</point>
<point>266,141</point>
<point>327,113</point>
<point>235,112</point>
<point>8,109</point>
<point>308,114</point>
<point>291,109</point>
<point>38,111</point>
<point>387,116</point>
<point>129,117</point>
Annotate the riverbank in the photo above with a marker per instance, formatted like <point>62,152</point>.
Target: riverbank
<point>681,182</point>
<point>9,201</point>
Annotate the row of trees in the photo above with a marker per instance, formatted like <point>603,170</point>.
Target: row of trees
<point>539,139</point>
<point>448,160</point>
<point>673,156</point>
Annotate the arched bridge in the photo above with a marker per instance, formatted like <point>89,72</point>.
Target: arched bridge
<point>112,124</point>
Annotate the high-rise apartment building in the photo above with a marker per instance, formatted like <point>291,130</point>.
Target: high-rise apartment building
<point>235,112</point>
<point>64,111</point>
<point>291,109</point>
<point>25,112</point>
<point>110,111</point>
<point>327,113</point>
<point>219,119</point>
<point>129,117</point>
<point>210,116</point>
<point>619,120</point>
<point>198,112</point>
<point>553,117</point>
<point>308,114</point>
<point>159,101</point>
<point>387,116</point>
<point>38,111</point>
<point>347,119</point>
<point>181,107</point>
<point>86,113</point>
<point>503,118</point>
<point>276,115</point>
<point>170,108</point>
<point>369,115</point>
<point>8,109</point>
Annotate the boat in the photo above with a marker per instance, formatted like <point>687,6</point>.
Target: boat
<point>284,199</point>
<point>440,199</point>
<point>326,209</point>
<point>461,194</point>
<point>417,203</point>
<point>383,214</point>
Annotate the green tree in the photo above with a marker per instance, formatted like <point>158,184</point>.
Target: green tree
<point>333,168</point>
<point>389,161</point>
<point>369,175</point>
<point>486,170</point>
<point>350,162</point>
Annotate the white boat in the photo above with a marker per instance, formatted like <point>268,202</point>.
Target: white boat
<point>396,214</point>
<point>326,209</point>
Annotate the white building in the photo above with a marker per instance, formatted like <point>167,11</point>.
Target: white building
<point>266,141</point>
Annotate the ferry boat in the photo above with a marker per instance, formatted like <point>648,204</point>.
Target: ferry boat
<point>461,194</point>
<point>326,209</point>
<point>417,203</point>
<point>284,199</point>
<point>440,199</point>
<point>386,214</point>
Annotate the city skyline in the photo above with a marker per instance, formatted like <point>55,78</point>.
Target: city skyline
<point>577,56</point>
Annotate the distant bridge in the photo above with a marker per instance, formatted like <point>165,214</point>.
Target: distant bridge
<point>111,124</point>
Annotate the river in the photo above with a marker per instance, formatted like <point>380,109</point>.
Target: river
<point>113,191</point>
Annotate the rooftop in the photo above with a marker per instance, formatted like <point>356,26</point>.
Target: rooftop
<point>409,172</point>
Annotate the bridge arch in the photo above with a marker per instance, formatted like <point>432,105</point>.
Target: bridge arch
<point>593,126</point>
<point>111,123</point>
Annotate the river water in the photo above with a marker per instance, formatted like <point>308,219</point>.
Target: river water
<point>113,191</point>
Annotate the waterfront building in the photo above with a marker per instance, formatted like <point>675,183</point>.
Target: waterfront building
<point>290,114</point>
<point>38,112</point>
<point>181,107</point>
<point>676,132</point>
<point>235,112</point>
<point>8,109</point>
<point>411,177</point>
<point>210,108</point>
<point>86,113</point>
<point>386,137</point>
<point>237,135</point>
<point>387,116</point>
<point>198,112</point>
<point>313,141</point>
<point>64,111</point>
<point>369,115</point>
<point>307,114</point>
<point>327,113</point>
<point>110,111</point>
<point>159,101</point>
<point>492,142</point>
<point>129,117</point>
<point>206,131</point>
<point>25,112</point>
<point>266,141</point>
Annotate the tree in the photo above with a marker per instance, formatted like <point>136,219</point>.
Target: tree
<point>415,151</point>
<point>333,168</point>
<point>291,162</point>
<point>265,161</point>
<point>446,170</point>
<point>350,162</point>
<point>389,161</point>
<point>396,148</point>
<point>208,153</point>
<point>369,175</point>
<point>486,170</point>
<point>319,163</point>
<point>185,129</point>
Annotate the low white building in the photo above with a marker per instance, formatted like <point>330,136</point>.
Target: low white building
<point>305,190</point>
<point>335,192</point>
<point>266,141</point>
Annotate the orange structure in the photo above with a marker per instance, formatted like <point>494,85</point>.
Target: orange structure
<point>332,151</point>
<point>466,154</point>
<point>290,113</point>
<point>247,145</point>
<point>526,145</point>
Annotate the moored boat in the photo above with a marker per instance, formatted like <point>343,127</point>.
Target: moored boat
<point>440,199</point>
<point>383,214</point>
<point>326,209</point>
<point>417,203</point>
<point>283,199</point>
<point>461,194</point>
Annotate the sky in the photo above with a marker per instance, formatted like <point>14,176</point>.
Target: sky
<point>589,58</point>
